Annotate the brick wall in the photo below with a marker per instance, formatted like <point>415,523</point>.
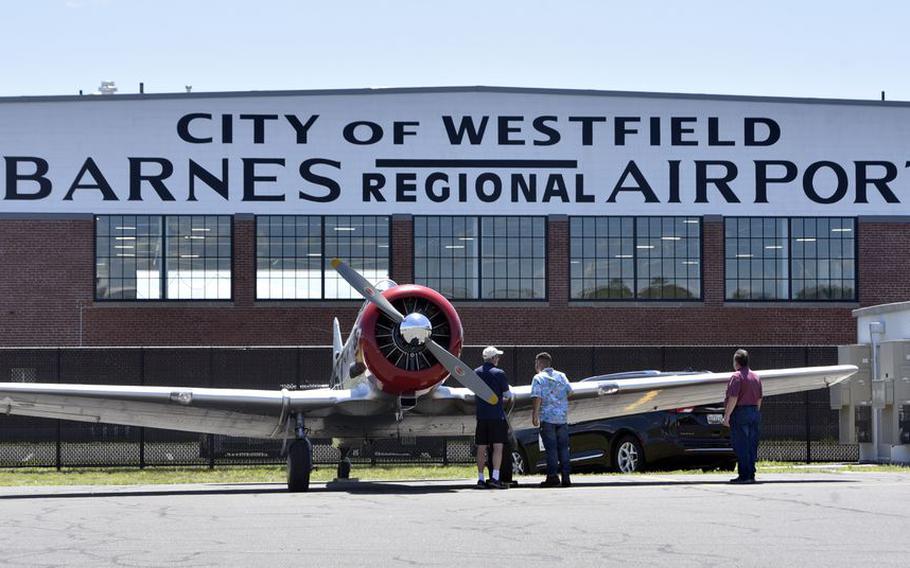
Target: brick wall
<point>46,298</point>
<point>402,245</point>
<point>46,279</point>
<point>244,258</point>
<point>884,262</point>
<point>557,261</point>
<point>712,264</point>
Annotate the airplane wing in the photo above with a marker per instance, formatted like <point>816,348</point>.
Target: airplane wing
<point>594,400</point>
<point>231,412</point>
<point>365,412</point>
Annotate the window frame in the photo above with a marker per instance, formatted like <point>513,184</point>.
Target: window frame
<point>789,299</point>
<point>163,276</point>
<point>789,244</point>
<point>480,297</point>
<point>635,297</point>
<point>323,260</point>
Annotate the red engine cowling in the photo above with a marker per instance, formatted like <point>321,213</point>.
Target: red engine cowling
<point>402,368</point>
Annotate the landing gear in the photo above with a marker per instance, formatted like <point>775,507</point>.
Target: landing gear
<point>300,460</point>
<point>344,465</point>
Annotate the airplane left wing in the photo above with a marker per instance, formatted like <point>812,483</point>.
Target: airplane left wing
<point>231,412</point>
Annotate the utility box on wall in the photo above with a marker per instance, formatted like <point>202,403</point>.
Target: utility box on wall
<point>896,369</point>
<point>857,390</point>
<point>853,397</point>
<point>895,388</point>
<point>875,406</point>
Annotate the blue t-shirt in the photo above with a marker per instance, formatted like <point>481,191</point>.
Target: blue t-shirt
<point>553,389</point>
<point>496,380</point>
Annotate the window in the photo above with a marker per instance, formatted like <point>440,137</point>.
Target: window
<point>823,259</point>
<point>447,255</point>
<point>294,254</point>
<point>128,257</point>
<point>513,258</point>
<point>198,261</point>
<point>289,257</point>
<point>362,242</point>
<point>756,258</point>
<point>790,259</point>
<point>488,258</point>
<point>150,257</point>
<point>629,258</point>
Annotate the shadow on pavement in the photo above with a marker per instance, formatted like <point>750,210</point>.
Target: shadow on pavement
<point>396,487</point>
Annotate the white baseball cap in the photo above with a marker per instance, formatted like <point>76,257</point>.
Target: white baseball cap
<point>490,352</point>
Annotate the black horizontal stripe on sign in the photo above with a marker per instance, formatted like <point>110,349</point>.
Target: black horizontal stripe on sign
<point>411,163</point>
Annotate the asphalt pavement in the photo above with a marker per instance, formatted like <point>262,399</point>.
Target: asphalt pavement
<point>807,519</point>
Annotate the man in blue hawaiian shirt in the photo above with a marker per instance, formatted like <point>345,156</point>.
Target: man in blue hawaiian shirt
<point>550,392</point>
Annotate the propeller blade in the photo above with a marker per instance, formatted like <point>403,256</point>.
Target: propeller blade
<point>462,373</point>
<point>365,289</point>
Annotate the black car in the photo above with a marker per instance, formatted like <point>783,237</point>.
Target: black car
<point>682,438</point>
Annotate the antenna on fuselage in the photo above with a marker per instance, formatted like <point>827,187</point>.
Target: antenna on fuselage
<point>337,343</point>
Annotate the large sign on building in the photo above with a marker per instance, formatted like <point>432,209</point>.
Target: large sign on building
<point>454,151</point>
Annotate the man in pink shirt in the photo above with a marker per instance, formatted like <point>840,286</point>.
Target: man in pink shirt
<point>742,415</point>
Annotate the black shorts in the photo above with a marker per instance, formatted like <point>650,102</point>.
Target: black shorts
<point>491,432</point>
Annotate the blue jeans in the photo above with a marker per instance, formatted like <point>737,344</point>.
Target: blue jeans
<point>745,427</point>
<point>556,443</point>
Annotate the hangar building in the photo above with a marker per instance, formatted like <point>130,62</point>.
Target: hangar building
<point>547,216</point>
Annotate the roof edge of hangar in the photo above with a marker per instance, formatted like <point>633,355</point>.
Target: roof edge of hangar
<point>449,89</point>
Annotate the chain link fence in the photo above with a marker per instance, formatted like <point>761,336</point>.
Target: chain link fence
<point>798,427</point>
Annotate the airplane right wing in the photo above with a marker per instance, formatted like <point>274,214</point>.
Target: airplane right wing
<point>594,400</point>
<point>449,411</point>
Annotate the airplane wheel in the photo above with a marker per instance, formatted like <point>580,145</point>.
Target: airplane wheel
<point>344,469</point>
<point>300,464</point>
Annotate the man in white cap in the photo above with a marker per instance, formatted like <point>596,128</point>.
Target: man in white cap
<point>492,427</point>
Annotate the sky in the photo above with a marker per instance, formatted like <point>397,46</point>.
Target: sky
<point>827,49</point>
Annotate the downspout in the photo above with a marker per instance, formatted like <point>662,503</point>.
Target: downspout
<point>876,332</point>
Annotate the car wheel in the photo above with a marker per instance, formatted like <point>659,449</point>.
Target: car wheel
<point>519,464</point>
<point>628,456</point>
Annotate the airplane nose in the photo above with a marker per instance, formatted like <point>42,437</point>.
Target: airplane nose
<point>415,327</point>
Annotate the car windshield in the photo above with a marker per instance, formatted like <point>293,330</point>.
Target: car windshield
<point>640,374</point>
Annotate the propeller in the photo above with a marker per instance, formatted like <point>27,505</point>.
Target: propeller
<point>367,290</point>
<point>455,366</point>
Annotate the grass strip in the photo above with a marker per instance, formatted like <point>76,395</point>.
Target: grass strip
<point>276,474</point>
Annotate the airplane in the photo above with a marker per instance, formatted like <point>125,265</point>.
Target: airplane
<point>387,382</point>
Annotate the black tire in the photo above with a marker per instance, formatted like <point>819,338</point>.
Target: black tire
<point>344,469</point>
<point>300,464</point>
<point>628,455</point>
